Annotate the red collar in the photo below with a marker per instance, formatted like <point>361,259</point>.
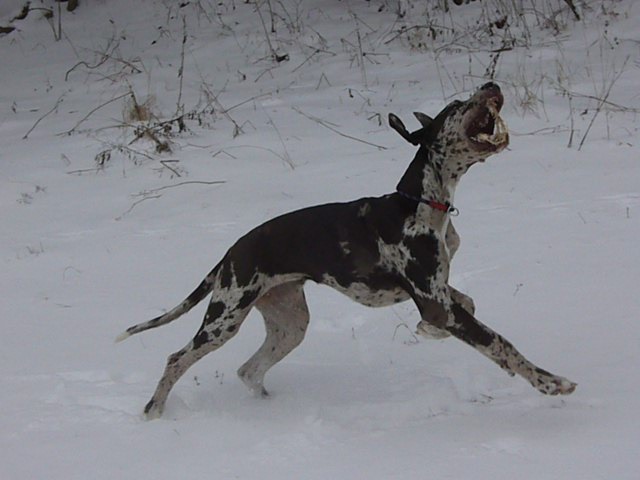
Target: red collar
<point>442,207</point>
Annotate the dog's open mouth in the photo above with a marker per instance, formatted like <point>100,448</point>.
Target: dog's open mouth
<point>486,130</point>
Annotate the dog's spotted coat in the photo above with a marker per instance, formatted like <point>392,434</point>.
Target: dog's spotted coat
<point>377,251</point>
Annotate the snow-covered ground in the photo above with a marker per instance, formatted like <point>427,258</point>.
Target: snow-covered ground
<point>549,244</point>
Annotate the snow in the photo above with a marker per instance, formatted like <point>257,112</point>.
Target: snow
<point>549,249</point>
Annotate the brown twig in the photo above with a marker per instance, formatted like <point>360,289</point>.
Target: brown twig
<point>274,54</point>
<point>104,56</point>
<point>602,102</point>
<point>91,112</point>
<point>315,52</point>
<point>107,54</point>
<point>165,164</point>
<point>153,194</point>
<point>226,110</point>
<point>53,109</point>
<point>286,155</point>
<point>326,125</point>
<point>213,98</point>
<point>572,6</point>
<point>224,150</point>
<point>84,170</point>
<point>153,191</point>
<point>615,106</point>
<point>134,205</point>
<point>180,107</point>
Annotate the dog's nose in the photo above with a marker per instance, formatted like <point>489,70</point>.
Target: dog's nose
<point>490,86</point>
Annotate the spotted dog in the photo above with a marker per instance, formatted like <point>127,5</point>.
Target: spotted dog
<point>378,251</point>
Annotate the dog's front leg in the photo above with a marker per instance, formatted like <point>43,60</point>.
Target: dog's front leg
<point>465,327</point>
<point>465,301</point>
<point>426,327</point>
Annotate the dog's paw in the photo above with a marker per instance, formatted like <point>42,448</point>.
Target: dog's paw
<point>255,387</point>
<point>427,330</point>
<point>258,391</point>
<point>152,411</point>
<point>555,385</point>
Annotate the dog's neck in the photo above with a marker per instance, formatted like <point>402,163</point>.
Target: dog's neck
<point>429,178</point>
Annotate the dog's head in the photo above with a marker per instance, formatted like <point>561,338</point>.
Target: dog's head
<point>468,131</point>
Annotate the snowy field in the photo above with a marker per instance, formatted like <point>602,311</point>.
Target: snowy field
<point>100,232</point>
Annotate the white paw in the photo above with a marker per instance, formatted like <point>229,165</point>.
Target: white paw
<point>556,385</point>
<point>254,387</point>
<point>152,411</point>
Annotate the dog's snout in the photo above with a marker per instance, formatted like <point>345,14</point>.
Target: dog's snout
<point>490,86</point>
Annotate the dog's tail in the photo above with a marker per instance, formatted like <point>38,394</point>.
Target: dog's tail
<point>205,287</point>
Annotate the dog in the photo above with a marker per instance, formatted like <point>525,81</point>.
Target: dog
<point>378,251</point>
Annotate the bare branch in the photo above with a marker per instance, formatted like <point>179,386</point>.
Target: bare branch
<point>135,204</point>
<point>602,102</point>
<point>53,109</point>
<point>180,107</point>
<point>91,112</point>
<point>326,125</point>
<point>154,194</point>
<point>180,184</point>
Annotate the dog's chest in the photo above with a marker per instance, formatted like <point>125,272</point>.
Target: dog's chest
<point>368,294</point>
<point>442,234</point>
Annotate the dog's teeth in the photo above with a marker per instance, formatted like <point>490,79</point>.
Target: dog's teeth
<point>496,139</point>
<point>500,135</point>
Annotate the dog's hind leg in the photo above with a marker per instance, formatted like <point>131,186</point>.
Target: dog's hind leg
<point>286,317</point>
<point>220,324</point>
<point>492,345</point>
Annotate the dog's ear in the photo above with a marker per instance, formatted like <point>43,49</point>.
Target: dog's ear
<point>424,119</point>
<point>398,126</point>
